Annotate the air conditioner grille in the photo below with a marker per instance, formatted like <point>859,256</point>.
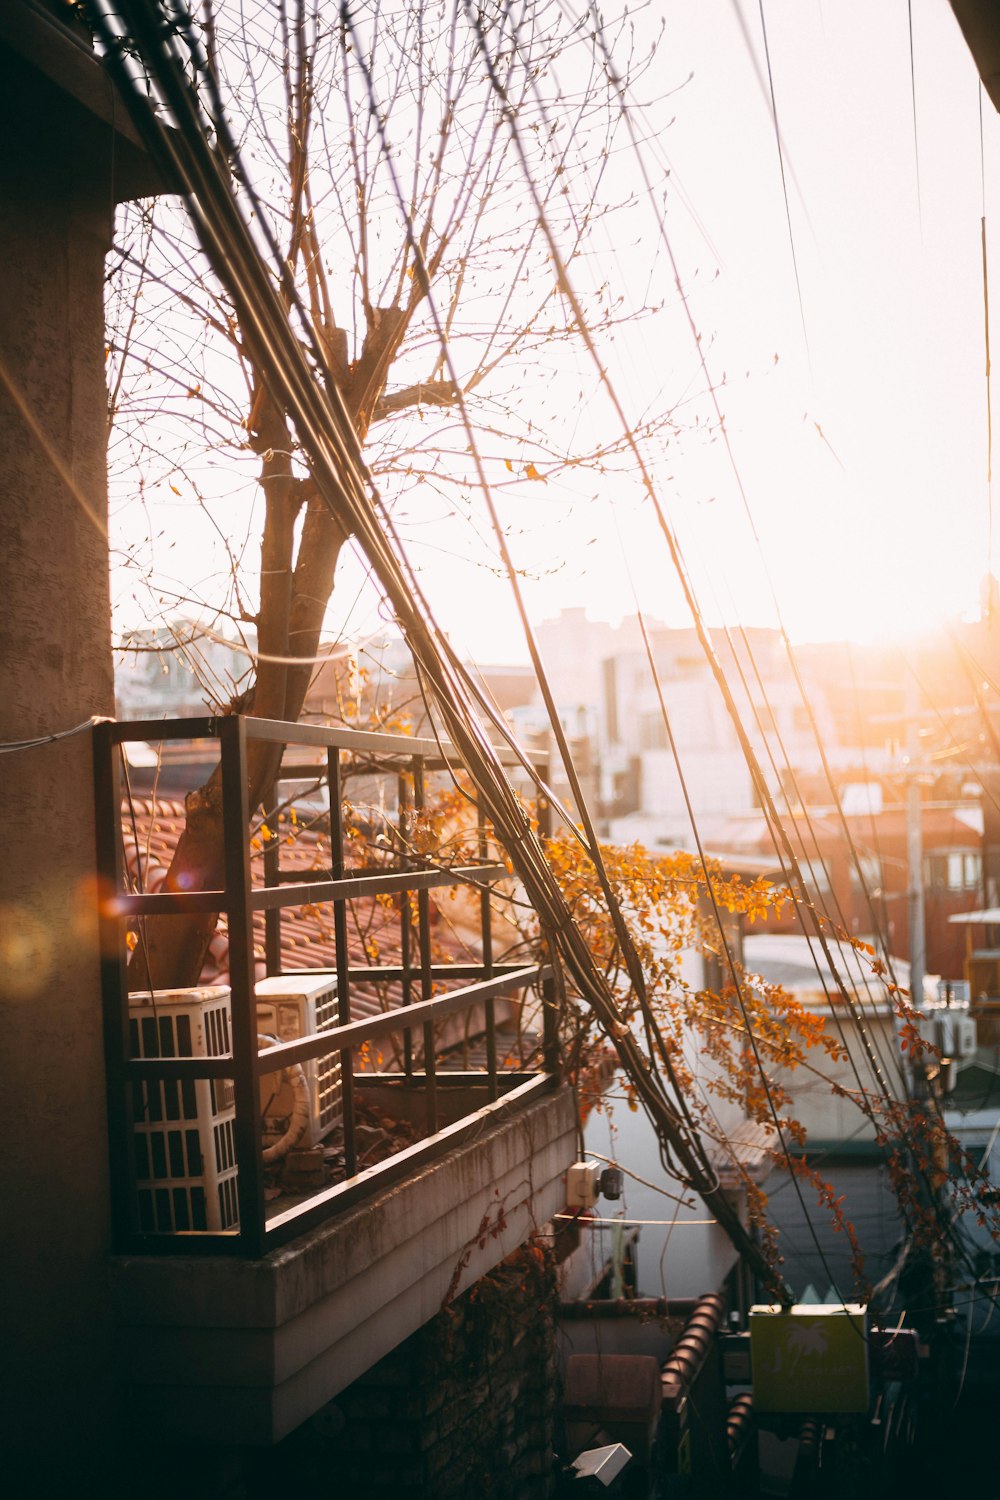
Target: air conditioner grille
<point>185,1156</point>
<point>313,999</point>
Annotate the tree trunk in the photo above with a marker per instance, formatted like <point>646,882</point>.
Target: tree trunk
<point>293,605</point>
<point>293,602</point>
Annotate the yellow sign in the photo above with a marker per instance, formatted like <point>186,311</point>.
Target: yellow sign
<point>809,1358</point>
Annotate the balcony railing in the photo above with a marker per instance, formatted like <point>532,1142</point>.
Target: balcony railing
<point>177,1119</point>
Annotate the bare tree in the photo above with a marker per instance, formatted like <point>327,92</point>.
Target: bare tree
<point>383,162</point>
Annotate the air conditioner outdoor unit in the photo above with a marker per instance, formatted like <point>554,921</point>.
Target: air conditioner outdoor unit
<point>965,1036</point>
<point>957,1035</point>
<point>185,1152</point>
<point>291,1006</point>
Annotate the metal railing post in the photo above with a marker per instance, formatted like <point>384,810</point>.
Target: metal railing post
<point>242,977</point>
<point>335,796</point>
<point>272,877</point>
<point>426,981</point>
<point>550,1027</point>
<point>405,925</point>
<point>550,1015</point>
<point>486,938</point>
<point>114,988</point>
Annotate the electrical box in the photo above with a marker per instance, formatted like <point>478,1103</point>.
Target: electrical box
<point>812,1357</point>
<point>583,1184</point>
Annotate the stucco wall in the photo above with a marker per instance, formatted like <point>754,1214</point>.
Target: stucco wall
<point>55,670</point>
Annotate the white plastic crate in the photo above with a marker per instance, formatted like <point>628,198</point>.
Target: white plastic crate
<point>291,1006</point>
<point>185,1151</point>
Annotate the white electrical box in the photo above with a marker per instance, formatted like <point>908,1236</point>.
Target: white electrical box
<point>185,1150</point>
<point>290,1006</point>
<point>583,1184</point>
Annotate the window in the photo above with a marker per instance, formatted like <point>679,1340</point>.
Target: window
<point>868,869</point>
<point>953,870</point>
<point>815,876</point>
<point>652,732</point>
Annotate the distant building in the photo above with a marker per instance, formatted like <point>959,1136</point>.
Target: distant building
<point>177,670</point>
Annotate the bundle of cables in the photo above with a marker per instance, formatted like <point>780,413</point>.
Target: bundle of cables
<point>155,57</point>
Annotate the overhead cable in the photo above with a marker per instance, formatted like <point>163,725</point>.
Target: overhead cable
<point>315,406</point>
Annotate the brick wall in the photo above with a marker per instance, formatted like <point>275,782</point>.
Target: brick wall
<point>465,1407</point>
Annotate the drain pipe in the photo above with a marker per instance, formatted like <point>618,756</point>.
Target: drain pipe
<point>693,1345</point>
<point>739,1424</point>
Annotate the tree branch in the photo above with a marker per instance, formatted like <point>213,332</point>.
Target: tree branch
<point>427,393</point>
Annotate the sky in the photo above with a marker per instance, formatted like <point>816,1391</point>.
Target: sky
<point>850,492</point>
<point>860,437</point>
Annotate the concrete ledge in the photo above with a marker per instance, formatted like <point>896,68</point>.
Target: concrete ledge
<point>244,1351</point>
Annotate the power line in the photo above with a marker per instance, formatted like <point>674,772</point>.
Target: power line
<point>11,747</point>
<point>331,444</point>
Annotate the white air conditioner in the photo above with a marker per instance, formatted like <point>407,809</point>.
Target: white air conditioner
<point>956,1035</point>
<point>966,1036</point>
<point>291,1006</point>
<point>185,1151</point>
<point>953,991</point>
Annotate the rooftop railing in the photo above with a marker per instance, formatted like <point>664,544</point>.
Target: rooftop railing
<point>187,1071</point>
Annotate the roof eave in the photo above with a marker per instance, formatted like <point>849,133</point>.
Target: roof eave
<point>980,24</point>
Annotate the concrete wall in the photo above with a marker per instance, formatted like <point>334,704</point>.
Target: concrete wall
<point>55,670</point>
<point>465,1406</point>
<point>218,1350</point>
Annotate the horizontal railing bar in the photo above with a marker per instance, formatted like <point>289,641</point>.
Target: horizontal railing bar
<point>318,892</point>
<point>186,1242</point>
<point>278,732</point>
<point>437,753</point>
<point>143,1069</point>
<point>165,903</point>
<point>180,1069</point>
<point>318,1043</point>
<point>284,1226</point>
<point>203,728</point>
<point>448,1077</point>
<point>404,746</point>
<point>291,877</point>
<point>302,893</point>
<point>384,972</point>
<point>405,1018</point>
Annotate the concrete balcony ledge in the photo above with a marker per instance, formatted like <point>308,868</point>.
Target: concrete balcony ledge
<point>239,1352</point>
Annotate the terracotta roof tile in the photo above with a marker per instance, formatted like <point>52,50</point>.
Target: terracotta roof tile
<point>150,830</point>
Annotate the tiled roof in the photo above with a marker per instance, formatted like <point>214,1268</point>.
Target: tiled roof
<point>307,932</point>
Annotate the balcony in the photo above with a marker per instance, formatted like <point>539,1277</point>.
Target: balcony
<point>248,1294</point>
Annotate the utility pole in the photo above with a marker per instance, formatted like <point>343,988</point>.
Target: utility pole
<point>915,844</point>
